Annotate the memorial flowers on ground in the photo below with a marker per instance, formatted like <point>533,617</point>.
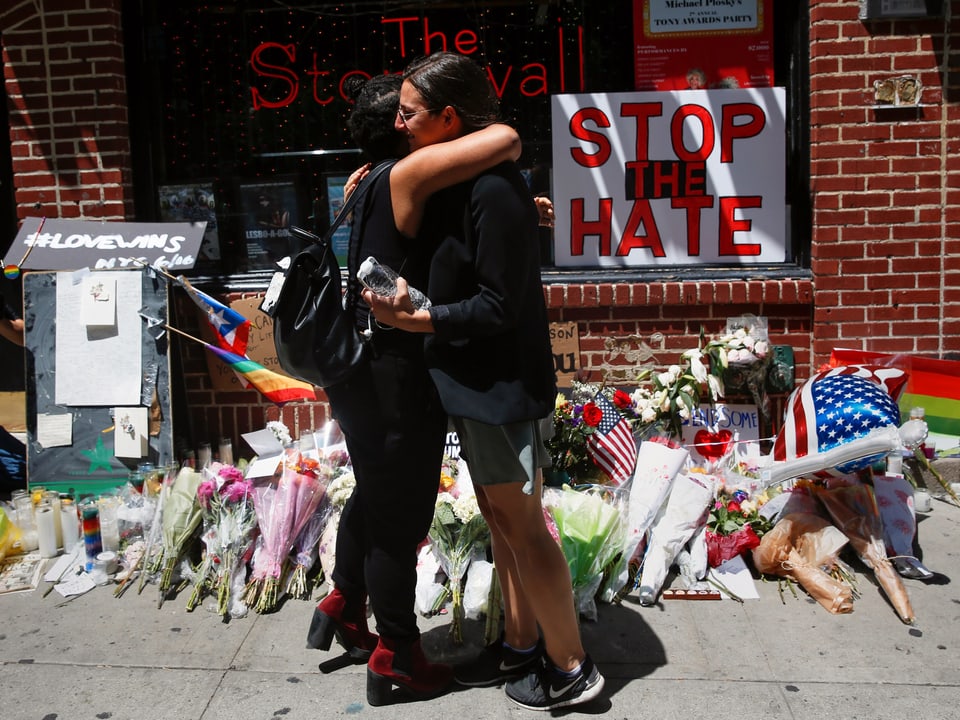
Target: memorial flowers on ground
<point>458,534</point>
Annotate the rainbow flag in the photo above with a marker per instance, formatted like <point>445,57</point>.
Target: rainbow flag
<point>934,385</point>
<point>273,386</point>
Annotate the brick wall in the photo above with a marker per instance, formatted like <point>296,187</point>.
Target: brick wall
<point>65,83</point>
<point>885,184</point>
<point>885,187</point>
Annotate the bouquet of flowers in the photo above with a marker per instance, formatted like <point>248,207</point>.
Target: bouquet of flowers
<point>734,524</point>
<point>853,509</point>
<point>575,420</point>
<point>283,507</point>
<point>305,551</point>
<point>458,533</point>
<point>229,520</point>
<point>590,524</point>
<point>338,491</point>
<point>664,400</point>
<point>803,547</point>
<point>180,520</point>
<point>738,358</point>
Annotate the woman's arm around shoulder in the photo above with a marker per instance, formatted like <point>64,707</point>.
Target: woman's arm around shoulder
<point>417,176</point>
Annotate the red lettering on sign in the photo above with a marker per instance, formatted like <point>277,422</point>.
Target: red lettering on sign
<point>580,228</point>
<point>642,112</point>
<point>400,23</point>
<point>641,216</point>
<point>580,132</point>
<point>264,69</point>
<point>540,80</point>
<point>730,225</point>
<point>676,132</point>
<point>730,130</point>
<point>693,207</point>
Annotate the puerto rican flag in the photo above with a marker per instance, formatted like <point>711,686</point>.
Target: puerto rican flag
<point>232,329</point>
<point>834,407</point>
<point>612,445</point>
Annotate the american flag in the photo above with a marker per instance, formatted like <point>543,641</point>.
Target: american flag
<point>833,408</point>
<point>612,446</point>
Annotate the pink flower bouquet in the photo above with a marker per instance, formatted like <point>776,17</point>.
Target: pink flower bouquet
<point>283,508</point>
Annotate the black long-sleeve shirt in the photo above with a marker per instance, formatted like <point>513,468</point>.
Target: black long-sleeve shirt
<point>490,354</point>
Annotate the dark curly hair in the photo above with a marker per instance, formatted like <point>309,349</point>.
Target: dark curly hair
<point>447,78</point>
<point>371,121</point>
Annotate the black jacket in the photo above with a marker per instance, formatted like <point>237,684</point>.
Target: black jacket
<point>490,356</point>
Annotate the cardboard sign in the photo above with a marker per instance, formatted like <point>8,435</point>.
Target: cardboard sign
<point>74,244</point>
<point>565,343</point>
<point>260,347</point>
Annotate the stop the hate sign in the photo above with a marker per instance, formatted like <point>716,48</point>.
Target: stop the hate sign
<point>670,178</point>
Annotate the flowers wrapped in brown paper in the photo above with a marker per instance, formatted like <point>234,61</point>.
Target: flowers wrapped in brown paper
<point>799,547</point>
<point>854,510</point>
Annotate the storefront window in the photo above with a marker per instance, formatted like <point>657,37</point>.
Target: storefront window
<point>238,115</point>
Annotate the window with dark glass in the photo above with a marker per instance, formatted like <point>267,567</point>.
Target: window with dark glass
<point>238,115</point>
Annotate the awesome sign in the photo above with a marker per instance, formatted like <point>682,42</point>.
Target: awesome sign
<point>669,178</point>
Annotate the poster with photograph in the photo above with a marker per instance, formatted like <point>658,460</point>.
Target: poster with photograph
<point>268,210</point>
<point>193,203</point>
<point>335,200</point>
<point>703,45</point>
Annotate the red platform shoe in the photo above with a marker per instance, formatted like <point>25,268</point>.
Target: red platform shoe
<point>333,617</point>
<point>402,664</point>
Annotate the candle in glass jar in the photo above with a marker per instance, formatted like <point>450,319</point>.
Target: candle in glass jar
<point>69,523</point>
<point>109,505</point>
<point>46,529</point>
<point>90,521</point>
<point>26,521</point>
<point>53,497</point>
<point>226,451</point>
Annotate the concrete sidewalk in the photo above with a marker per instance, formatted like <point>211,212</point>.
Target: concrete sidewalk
<point>96,656</point>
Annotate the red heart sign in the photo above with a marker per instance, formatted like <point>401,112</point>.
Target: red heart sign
<point>713,445</point>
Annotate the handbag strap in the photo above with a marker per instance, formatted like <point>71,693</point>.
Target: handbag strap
<point>353,247</point>
<point>355,196</point>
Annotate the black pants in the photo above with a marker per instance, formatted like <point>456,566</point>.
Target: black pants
<point>395,430</point>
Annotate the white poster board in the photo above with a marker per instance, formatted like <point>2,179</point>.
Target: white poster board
<point>645,179</point>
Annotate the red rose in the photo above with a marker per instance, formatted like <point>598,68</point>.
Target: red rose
<point>622,399</point>
<point>733,506</point>
<point>592,414</point>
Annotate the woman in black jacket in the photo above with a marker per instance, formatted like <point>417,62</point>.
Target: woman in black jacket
<point>392,420</point>
<point>488,350</point>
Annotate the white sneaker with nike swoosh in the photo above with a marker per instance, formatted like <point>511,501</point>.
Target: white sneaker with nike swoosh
<point>546,688</point>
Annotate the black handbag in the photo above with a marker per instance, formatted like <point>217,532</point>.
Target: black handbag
<point>316,338</point>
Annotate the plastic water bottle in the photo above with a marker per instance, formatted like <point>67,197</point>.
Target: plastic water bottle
<point>382,280</point>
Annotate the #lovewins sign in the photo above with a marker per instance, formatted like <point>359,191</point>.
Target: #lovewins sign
<point>73,244</point>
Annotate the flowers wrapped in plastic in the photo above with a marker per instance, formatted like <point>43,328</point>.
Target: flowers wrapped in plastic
<point>658,464</point>
<point>854,510</point>
<point>685,511</point>
<point>458,534</point>
<point>590,523</point>
<point>229,521</point>
<point>804,547</point>
<point>180,520</point>
<point>283,506</point>
<point>305,552</point>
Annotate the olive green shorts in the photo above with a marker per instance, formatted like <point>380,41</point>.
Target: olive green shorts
<point>498,454</point>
